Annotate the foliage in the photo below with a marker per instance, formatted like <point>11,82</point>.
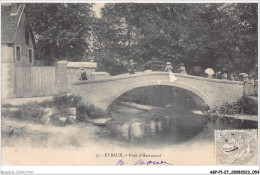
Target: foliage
<point>60,30</point>
<point>33,112</point>
<point>210,35</point>
<point>65,102</point>
<point>7,105</point>
<point>114,67</point>
<point>89,111</point>
<point>154,64</point>
<point>28,112</point>
<point>250,106</point>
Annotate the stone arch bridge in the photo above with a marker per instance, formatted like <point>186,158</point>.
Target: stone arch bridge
<point>103,91</point>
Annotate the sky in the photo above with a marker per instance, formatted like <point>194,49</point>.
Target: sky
<point>97,8</point>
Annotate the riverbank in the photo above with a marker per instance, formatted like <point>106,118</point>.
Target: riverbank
<point>179,136</point>
<point>28,134</point>
<point>25,143</point>
<point>78,144</point>
<point>241,117</point>
<point>20,101</point>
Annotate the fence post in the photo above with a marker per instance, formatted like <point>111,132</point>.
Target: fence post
<point>62,76</point>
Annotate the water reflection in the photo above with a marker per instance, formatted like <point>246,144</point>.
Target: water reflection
<point>154,129</point>
<point>164,126</point>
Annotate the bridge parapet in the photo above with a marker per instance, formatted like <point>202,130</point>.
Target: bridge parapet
<point>98,76</point>
<point>102,92</point>
<point>104,77</point>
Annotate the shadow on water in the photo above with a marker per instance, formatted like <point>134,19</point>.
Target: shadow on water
<point>155,129</point>
<point>133,124</point>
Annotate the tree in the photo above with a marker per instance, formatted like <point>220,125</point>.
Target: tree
<point>61,30</point>
<point>210,35</point>
<point>219,36</point>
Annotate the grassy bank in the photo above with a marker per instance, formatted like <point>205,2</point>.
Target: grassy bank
<point>24,125</point>
<point>249,104</point>
<point>33,112</point>
<point>27,134</point>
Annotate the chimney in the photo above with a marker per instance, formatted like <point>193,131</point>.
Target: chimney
<point>14,8</point>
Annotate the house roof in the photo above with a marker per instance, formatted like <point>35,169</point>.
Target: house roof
<point>9,23</point>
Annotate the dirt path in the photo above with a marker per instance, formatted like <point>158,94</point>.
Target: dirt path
<point>20,101</point>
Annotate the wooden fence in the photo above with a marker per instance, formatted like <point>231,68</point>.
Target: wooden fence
<point>35,81</point>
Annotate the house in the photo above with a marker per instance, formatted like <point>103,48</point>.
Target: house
<point>17,44</point>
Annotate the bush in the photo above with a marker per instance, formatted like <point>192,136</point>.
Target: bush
<point>89,111</point>
<point>64,102</point>
<point>28,112</point>
<point>112,66</point>
<point>46,104</point>
<point>249,105</point>
<point>34,111</point>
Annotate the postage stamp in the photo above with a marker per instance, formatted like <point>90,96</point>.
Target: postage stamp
<point>236,147</point>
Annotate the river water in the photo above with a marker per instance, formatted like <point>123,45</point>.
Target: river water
<point>138,125</point>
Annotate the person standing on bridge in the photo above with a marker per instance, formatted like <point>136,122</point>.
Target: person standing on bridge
<point>232,77</point>
<point>256,87</point>
<point>252,86</point>
<point>182,69</point>
<point>246,89</point>
<point>132,67</point>
<point>218,75</point>
<point>209,72</point>
<point>224,74</point>
<point>168,67</point>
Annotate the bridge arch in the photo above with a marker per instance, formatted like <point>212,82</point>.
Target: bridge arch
<point>177,84</point>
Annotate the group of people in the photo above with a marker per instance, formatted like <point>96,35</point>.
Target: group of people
<point>169,68</point>
<point>224,75</point>
<point>250,82</point>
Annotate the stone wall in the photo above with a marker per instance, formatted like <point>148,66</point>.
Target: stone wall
<point>62,77</point>
<point>98,75</point>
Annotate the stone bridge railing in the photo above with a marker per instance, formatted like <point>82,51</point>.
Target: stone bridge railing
<point>106,78</point>
<point>102,92</point>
